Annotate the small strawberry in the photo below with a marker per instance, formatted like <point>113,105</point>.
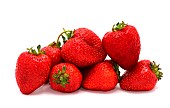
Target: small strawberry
<point>122,44</point>
<point>102,76</point>
<point>32,70</point>
<point>65,77</point>
<point>83,47</point>
<point>143,76</point>
<point>54,53</point>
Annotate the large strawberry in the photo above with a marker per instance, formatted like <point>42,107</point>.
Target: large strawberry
<point>32,70</point>
<point>65,77</point>
<point>143,76</point>
<point>83,47</point>
<point>54,53</point>
<point>122,44</point>
<point>102,76</point>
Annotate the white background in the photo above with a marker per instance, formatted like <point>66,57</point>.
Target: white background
<point>26,23</point>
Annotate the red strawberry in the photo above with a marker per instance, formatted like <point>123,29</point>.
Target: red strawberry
<point>143,76</point>
<point>84,48</point>
<point>32,70</point>
<point>122,44</point>
<point>54,53</point>
<point>101,76</point>
<point>65,77</point>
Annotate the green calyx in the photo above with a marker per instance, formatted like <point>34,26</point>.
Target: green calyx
<point>53,44</point>
<point>61,77</point>
<point>118,26</point>
<point>155,68</point>
<point>116,68</point>
<point>66,35</point>
<point>34,51</point>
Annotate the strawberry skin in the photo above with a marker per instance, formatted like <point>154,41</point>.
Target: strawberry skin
<point>65,77</point>
<point>83,49</point>
<point>32,71</point>
<point>100,77</point>
<point>89,37</point>
<point>123,45</point>
<point>54,54</point>
<point>143,76</point>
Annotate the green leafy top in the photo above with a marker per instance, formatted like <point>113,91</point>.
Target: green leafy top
<point>155,68</point>
<point>119,26</point>
<point>61,77</point>
<point>33,51</point>
<point>53,44</point>
<point>66,35</point>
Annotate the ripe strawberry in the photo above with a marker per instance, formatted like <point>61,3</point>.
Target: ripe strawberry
<point>84,48</point>
<point>65,77</point>
<point>54,53</point>
<point>143,76</point>
<point>102,76</point>
<point>122,44</point>
<point>32,70</point>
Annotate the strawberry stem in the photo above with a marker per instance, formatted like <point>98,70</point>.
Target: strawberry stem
<point>66,35</point>
<point>33,51</point>
<point>61,77</point>
<point>155,68</point>
<point>119,26</point>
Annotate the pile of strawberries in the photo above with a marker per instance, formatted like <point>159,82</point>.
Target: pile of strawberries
<point>79,61</point>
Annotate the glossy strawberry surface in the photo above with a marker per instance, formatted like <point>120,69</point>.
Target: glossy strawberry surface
<point>83,49</point>
<point>68,80</point>
<point>101,77</point>
<point>141,77</point>
<point>54,54</point>
<point>123,46</point>
<point>32,71</point>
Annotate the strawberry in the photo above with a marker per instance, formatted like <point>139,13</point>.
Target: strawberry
<point>54,53</point>
<point>143,76</point>
<point>83,47</point>
<point>101,77</point>
<point>65,77</point>
<point>122,45</point>
<point>32,70</point>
